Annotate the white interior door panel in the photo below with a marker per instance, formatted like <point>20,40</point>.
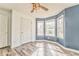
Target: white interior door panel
<point>3,30</point>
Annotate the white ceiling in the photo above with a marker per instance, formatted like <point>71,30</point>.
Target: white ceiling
<point>54,8</point>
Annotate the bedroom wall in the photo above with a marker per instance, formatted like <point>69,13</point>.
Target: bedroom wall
<point>72,27</point>
<point>21,29</point>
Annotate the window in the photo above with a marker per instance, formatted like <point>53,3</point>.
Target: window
<point>40,28</point>
<point>60,24</point>
<point>45,29</point>
<point>50,27</point>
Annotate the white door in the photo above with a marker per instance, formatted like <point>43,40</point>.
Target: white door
<point>3,30</point>
<point>24,30</point>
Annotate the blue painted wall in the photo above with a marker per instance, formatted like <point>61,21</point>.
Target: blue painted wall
<point>61,41</point>
<point>72,27</point>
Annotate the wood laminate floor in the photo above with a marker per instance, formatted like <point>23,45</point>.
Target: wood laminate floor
<point>38,48</point>
<point>6,51</point>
